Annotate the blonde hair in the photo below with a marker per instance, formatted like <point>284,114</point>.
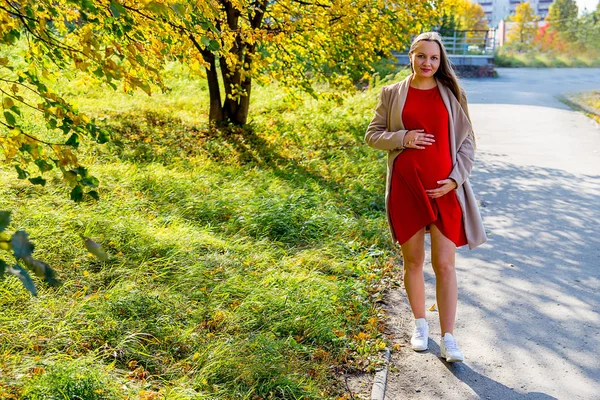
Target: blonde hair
<point>445,72</point>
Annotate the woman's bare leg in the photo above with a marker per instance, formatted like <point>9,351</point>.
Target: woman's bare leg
<point>413,254</point>
<point>443,252</point>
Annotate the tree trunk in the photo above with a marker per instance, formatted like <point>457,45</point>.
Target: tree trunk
<point>236,106</point>
<point>212,77</point>
<point>216,108</point>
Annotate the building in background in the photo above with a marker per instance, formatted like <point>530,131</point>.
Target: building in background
<point>498,10</point>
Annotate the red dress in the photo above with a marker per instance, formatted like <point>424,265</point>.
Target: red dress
<point>416,170</point>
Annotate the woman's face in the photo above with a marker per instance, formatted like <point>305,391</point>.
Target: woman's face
<point>426,58</point>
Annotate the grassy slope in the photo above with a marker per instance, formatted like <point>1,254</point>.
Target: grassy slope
<point>534,59</point>
<point>588,103</point>
<point>244,265</point>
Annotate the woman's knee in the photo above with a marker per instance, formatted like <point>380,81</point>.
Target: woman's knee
<point>413,265</point>
<point>443,269</point>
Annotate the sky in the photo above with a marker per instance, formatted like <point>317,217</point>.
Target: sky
<point>589,4</point>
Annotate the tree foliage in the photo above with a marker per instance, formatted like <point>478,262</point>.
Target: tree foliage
<point>461,15</point>
<point>230,43</point>
<point>566,33</point>
<point>562,16</point>
<point>522,34</point>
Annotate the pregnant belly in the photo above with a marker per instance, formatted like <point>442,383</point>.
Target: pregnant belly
<point>428,165</point>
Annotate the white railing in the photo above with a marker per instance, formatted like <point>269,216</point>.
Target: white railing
<point>473,42</point>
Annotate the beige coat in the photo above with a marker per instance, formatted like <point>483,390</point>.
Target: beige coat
<point>386,132</point>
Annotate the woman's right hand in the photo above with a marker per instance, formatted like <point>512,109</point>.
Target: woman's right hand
<point>418,139</point>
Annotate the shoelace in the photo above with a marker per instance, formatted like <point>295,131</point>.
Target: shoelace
<point>419,333</point>
<point>451,345</point>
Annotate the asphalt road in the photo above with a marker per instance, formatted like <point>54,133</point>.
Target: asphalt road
<point>529,299</point>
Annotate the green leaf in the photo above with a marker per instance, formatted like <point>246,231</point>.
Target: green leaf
<point>25,147</point>
<point>42,270</point>
<point>156,7</point>
<point>10,118</point>
<point>77,194</point>
<point>179,8</point>
<point>81,171</point>
<point>103,137</point>
<point>90,181</point>
<point>21,172</point>
<point>73,140</point>
<point>23,276</point>
<point>21,245</point>
<point>4,220</point>
<point>99,72</point>
<point>117,9</point>
<point>38,181</point>
<point>94,194</point>
<point>214,45</point>
<point>43,165</point>
<point>13,35</point>
<point>88,5</point>
<point>2,269</point>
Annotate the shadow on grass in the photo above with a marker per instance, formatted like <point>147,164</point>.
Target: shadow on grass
<point>156,138</point>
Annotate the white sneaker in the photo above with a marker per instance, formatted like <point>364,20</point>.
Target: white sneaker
<point>420,338</point>
<point>450,350</point>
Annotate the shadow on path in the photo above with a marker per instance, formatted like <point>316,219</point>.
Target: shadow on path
<point>537,281</point>
<point>484,387</point>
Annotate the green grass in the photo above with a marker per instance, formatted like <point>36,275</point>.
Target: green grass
<point>535,59</point>
<point>244,265</point>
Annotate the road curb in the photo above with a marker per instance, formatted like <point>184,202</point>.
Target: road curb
<point>380,381</point>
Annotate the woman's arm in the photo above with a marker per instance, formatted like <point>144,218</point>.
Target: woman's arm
<point>377,136</point>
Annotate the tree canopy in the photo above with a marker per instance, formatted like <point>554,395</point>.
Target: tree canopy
<point>230,43</point>
<point>461,15</point>
<point>522,34</point>
<point>562,16</point>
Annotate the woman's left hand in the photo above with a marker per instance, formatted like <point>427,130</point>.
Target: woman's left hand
<point>447,186</point>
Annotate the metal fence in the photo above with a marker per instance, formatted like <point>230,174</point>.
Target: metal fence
<point>473,42</point>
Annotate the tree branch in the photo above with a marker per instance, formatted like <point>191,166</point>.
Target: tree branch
<point>21,101</point>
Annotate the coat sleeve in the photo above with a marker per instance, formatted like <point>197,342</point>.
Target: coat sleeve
<point>377,136</point>
<point>465,155</point>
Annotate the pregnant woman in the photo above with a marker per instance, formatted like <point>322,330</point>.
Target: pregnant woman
<point>424,125</point>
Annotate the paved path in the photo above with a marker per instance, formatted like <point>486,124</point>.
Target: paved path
<point>529,303</point>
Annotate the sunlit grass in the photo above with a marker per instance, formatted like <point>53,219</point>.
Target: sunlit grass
<point>537,59</point>
<point>588,103</point>
<point>244,265</point>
